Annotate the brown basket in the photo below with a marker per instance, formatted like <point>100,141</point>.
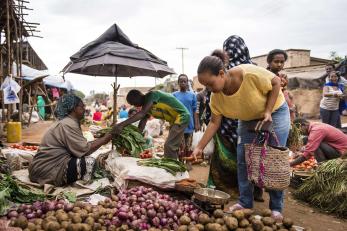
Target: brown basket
<point>276,175</point>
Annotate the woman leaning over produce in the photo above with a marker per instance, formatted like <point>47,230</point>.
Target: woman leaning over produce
<point>63,155</point>
<point>245,92</point>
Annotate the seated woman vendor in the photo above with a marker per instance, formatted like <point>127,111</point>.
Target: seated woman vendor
<point>63,156</point>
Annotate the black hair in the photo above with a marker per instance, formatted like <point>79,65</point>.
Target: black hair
<point>182,75</point>
<point>337,74</point>
<point>331,65</point>
<point>214,63</point>
<point>133,96</point>
<point>300,121</point>
<point>274,52</point>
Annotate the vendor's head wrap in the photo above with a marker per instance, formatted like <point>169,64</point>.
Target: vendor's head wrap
<point>66,104</point>
<point>237,51</point>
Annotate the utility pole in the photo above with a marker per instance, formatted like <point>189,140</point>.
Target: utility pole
<point>182,53</point>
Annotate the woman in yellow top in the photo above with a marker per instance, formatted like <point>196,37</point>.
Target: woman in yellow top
<point>245,92</point>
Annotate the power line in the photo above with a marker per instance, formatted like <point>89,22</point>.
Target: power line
<point>182,53</point>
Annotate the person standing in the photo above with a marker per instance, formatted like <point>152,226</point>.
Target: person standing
<point>41,107</point>
<point>245,92</point>
<point>200,107</point>
<point>276,59</point>
<point>188,99</point>
<point>329,105</point>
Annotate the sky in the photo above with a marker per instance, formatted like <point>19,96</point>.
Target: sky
<point>161,26</point>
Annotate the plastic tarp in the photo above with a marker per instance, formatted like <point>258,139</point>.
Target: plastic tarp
<point>30,74</point>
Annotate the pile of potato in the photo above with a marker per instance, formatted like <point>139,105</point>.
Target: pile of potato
<point>241,220</point>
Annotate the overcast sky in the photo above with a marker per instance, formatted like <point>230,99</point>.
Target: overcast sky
<point>200,25</point>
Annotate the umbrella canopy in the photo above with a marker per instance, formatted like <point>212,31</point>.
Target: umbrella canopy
<point>113,54</point>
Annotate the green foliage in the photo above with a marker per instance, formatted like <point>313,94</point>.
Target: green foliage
<point>335,57</point>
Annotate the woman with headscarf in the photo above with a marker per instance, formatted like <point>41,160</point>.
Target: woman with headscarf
<point>223,169</point>
<point>63,155</point>
<point>41,107</point>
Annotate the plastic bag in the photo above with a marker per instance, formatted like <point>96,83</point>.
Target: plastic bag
<point>10,89</point>
<point>209,149</point>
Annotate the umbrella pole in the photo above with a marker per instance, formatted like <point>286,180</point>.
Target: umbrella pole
<point>115,92</point>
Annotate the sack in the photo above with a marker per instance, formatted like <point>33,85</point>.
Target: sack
<point>268,166</point>
<point>209,149</point>
<point>10,89</point>
<point>260,126</point>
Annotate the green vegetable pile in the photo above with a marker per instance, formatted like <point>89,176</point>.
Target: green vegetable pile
<point>10,190</point>
<point>326,189</point>
<point>170,165</point>
<point>294,138</point>
<point>130,139</point>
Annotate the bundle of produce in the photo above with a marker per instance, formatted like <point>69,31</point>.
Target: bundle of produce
<point>326,189</point>
<point>11,191</point>
<point>139,208</point>
<point>242,220</point>
<point>307,165</point>
<point>130,141</point>
<point>294,138</point>
<point>170,165</point>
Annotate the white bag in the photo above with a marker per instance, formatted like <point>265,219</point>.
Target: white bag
<point>10,89</point>
<point>209,149</point>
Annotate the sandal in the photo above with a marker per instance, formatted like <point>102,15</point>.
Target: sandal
<point>234,208</point>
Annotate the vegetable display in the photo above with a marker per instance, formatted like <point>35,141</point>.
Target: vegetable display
<point>146,154</point>
<point>25,147</point>
<point>139,208</point>
<point>130,141</point>
<point>307,165</point>
<point>170,165</point>
<point>10,190</point>
<point>326,189</point>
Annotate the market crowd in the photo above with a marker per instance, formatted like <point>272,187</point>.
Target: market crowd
<point>237,93</point>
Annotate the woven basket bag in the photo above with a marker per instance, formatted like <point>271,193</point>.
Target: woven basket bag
<point>268,166</point>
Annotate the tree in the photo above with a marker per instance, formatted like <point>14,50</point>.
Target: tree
<point>335,57</point>
<point>80,94</point>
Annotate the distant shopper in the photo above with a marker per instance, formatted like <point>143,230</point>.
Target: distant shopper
<point>161,106</point>
<point>123,114</point>
<point>97,116</point>
<point>324,142</point>
<point>41,107</point>
<point>329,105</point>
<point>276,60</point>
<point>188,99</point>
<point>200,107</point>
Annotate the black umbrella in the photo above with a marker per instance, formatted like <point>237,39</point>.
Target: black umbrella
<point>113,54</point>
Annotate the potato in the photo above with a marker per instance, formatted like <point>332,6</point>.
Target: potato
<point>218,213</point>
<point>213,227</point>
<point>85,227</point>
<point>31,226</point>
<point>62,217</point>
<point>243,223</point>
<point>282,229</point>
<point>238,214</point>
<point>182,228</point>
<point>307,229</point>
<point>203,219</point>
<point>257,225</point>
<point>73,227</point>
<point>64,224</point>
<point>200,227</point>
<point>247,212</point>
<point>249,229</point>
<point>52,226</point>
<point>96,226</point>
<point>220,221</point>
<point>231,222</point>
<point>287,222</point>
<point>269,221</point>
<point>21,222</point>
<point>240,229</point>
<point>267,228</point>
<point>124,227</point>
<point>89,221</point>
<point>266,213</point>
<point>225,228</point>
<point>184,220</point>
<point>191,228</point>
<point>79,204</point>
<point>76,219</point>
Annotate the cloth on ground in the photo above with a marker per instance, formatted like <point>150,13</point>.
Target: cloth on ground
<point>126,168</point>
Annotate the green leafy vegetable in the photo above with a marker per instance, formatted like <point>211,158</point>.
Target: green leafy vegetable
<point>170,165</point>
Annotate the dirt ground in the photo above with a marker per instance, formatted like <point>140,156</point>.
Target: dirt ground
<point>301,213</point>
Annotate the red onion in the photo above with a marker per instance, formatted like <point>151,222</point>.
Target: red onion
<point>169,213</point>
<point>123,215</point>
<point>12,213</point>
<point>59,206</point>
<point>156,221</point>
<point>27,211</point>
<point>39,213</point>
<point>163,221</point>
<point>151,213</point>
<point>150,206</point>
<point>30,216</point>
<point>156,205</point>
<point>68,207</point>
